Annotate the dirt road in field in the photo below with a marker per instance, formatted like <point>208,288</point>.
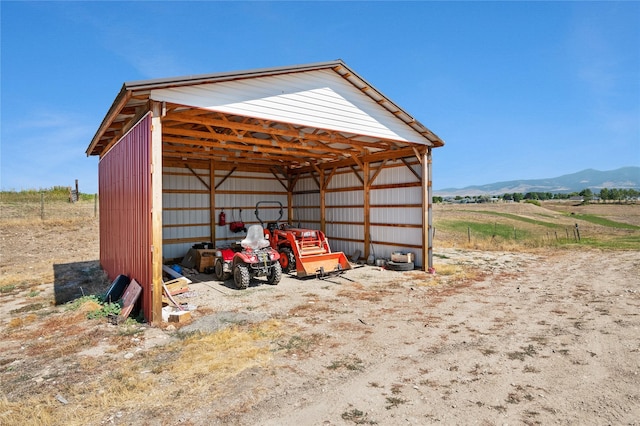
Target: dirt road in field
<point>518,338</point>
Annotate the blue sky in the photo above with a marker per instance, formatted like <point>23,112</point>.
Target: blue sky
<point>518,90</point>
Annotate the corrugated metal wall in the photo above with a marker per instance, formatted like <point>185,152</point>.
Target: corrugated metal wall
<point>125,208</point>
<point>395,208</point>
<point>186,211</point>
<point>396,212</point>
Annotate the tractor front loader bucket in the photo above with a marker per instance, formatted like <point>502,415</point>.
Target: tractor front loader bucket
<point>322,264</point>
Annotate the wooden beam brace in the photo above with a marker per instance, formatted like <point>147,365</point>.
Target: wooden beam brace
<point>197,176</point>
<point>313,176</point>
<point>357,161</point>
<point>294,182</point>
<point>404,160</point>
<point>355,171</point>
<point>284,185</point>
<point>328,179</point>
<point>377,172</point>
<point>223,179</point>
<point>417,153</point>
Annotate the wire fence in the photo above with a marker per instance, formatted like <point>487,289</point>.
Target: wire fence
<point>47,209</point>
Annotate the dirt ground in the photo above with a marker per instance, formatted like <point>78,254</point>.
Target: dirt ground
<point>493,338</point>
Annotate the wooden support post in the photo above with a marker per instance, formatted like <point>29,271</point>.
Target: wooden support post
<point>366,186</point>
<point>323,192</point>
<point>212,200</point>
<point>430,209</point>
<point>156,212</point>
<point>427,212</point>
<point>290,217</point>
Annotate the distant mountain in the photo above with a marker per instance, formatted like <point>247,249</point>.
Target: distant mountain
<point>625,177</point>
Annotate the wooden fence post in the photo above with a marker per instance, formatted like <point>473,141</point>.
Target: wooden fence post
<point>42,206</point>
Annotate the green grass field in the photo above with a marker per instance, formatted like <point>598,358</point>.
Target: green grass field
<point>515,227</point>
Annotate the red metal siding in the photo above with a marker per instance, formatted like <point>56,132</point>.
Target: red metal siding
<point>125,209</point>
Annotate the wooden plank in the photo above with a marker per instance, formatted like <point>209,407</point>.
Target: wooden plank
<point>367,209</point>
<point>168,295</point>
<point>156,214</point>
<point>184,208</point>
<point>429,248</point>
<point>212,198</point>
<point>178,286</point>
<point>174,274</point>
<point>180,225</point>
<point>378,224</point>
<point>185,240</point>
<point>386,243</point>
<point>323,210</point>
<point>129,299</point>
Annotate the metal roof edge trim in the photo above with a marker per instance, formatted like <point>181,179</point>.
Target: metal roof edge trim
<point>230,75</point>
<point>104,154</point>
<point>122,98</point>
<point>412,122</point>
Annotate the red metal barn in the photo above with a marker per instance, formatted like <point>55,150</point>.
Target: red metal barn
<point>338,154</point>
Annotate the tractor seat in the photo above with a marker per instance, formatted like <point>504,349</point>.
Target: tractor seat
<point>255,238</point>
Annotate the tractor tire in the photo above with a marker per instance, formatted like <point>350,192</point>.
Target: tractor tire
<point>275,274</point>
<point>241,276</point>
<point>287,260</point>
<point>400,266</point>
<point>218,271</point>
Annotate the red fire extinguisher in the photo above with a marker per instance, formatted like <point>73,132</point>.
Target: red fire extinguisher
<point>222,219</point>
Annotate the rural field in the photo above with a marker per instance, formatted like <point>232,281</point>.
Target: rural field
<point>529,319</point>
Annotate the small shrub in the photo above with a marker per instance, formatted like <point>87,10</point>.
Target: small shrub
<point>96,309</point>
<point>108,310</point>
<point>7,288</point>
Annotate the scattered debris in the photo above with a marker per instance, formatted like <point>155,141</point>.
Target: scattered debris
<point>129,299</point>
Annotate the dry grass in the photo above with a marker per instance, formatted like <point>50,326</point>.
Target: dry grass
<point>446,274</point>
<point>21,212</point>
<point>520,227</point>
<point>201,364</point>
<point>40,356</point>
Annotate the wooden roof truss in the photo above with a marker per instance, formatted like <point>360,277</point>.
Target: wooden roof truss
<point>197,134</point>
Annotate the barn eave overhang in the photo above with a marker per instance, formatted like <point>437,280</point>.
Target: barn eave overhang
<point>135,97</point>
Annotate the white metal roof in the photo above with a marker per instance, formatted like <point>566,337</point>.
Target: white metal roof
<point>319,98</point>
<point>325,95</point>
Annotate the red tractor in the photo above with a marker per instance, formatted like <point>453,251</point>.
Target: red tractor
<point>305,251</point>
<point>256,259</point>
